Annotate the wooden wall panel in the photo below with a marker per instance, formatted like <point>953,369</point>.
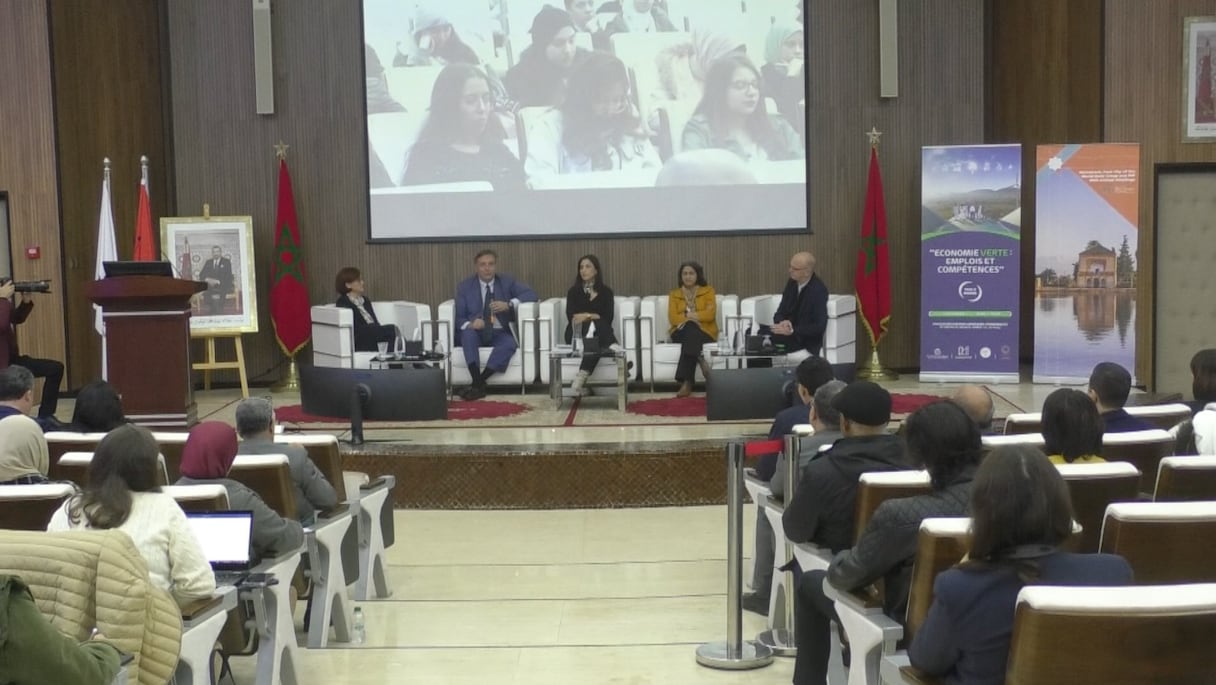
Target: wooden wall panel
<point>108,96</point>
<point>1045,86</point>
<point>223,155</point>
<point>27,166</point>
<point>1143,104</point>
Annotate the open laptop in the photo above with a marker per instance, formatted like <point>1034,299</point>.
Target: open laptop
<point>224,537</point>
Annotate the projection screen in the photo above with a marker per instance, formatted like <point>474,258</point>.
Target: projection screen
<point>527,118</point>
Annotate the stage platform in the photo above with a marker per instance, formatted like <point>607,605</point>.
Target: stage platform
<point>527,454</point>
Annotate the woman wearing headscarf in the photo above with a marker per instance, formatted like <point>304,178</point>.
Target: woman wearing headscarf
<point>24,458</point>
<point>782,76</point>
<point>682,68</point>
<point>206,458</point>
<point>635,16</point>
<point>538,79</point>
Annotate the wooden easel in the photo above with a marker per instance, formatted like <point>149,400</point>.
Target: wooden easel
<point>212,364</point>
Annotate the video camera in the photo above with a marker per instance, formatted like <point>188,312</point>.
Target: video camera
<point>43,286</point>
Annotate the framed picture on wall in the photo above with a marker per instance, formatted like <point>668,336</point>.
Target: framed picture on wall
<point>219,251</point>
<point>1199,79</point>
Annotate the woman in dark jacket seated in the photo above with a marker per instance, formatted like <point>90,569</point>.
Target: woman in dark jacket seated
<point>98,409</point>
<point>368,329</point>
<point>206,458</point>
<point>590,307</point>
<point>1020,515</point>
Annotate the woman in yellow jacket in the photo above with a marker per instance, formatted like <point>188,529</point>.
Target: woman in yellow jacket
<point>692,310</point>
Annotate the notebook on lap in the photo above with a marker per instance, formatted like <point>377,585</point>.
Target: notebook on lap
<point>224,537</point>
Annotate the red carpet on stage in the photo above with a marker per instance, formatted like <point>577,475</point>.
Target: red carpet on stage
<point>457,411</point>
<point>901,403</point>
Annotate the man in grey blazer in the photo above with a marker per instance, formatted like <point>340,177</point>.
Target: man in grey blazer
<point>255,425</point>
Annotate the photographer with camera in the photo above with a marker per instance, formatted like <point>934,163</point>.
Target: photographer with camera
<point>12,315</point>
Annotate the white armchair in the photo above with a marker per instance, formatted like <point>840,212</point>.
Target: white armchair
<point>840,338</point>
<point>552,326</point>
<point>659,354</point>
<point>522,368</point>
<point>333,330</point>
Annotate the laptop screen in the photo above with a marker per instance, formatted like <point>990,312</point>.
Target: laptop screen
<point>224,537</point>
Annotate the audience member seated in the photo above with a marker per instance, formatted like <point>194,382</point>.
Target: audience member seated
<point>462,140</point>
<point>368,329</point>
<point>813,372</point>
<point>123,494</point>
<point>801,318</point>
<point>34,651</point>
<point>943,440</point>
<point>975,400</point>
<point>486,305</point>
<point>1109,386</point>
<point>24,457</point>
<point>823,507</point>
<point>10,316</point>
<point>682,68</point>
<point>1198,436</point>
<point>633,16</point>
<point>206,458</point>
<point>733,116</point>
<point>692,310</point>
<point>255,424</point>
<point>584,16</point>
<point>436,40</point>
<point>1072,428</point>
<point>379,100</point>
<point>98,409</point>
<point>17,396</point>
<point>782,76</point>
<point>590,308</point>
<point>539,76</point>
<point>601,130</point>
<point>1020,515</point>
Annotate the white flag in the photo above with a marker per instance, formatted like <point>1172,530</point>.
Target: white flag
<point>107,247</point>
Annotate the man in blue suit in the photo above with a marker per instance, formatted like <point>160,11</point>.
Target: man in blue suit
<point>485,309</point>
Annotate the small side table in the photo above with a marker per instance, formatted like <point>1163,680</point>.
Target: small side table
<point>557,393</point>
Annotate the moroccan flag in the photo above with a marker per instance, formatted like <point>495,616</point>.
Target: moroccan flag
<point>873,280</point>
<point>145,243</point>
<point>288,294</point>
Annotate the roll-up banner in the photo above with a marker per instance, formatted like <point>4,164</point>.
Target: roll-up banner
<point>971,226</point>
<point>1087,203</point>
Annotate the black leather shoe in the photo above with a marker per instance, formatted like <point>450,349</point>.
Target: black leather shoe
<point>755,603</point>
<point>474,392</point>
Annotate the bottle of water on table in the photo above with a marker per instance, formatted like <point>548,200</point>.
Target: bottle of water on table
<point>358,629</point>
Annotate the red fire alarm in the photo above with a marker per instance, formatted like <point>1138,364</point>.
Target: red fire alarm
<point>33,252</point>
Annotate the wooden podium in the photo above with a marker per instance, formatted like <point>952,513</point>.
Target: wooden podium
<point>148,346</point>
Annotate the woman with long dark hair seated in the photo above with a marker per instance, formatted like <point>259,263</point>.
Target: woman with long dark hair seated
<point>601,130</point>
<point>590,308</point>
<point>123,494</point>
<point>98,409</point>
<point>461,140</point>
<point>1021,513</point>
<point>692,311</point>
<point>732,115</point>
<point>368,329</point>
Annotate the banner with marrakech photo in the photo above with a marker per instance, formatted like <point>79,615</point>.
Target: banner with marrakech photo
<point>1087,204</point>
<point>971,231</point>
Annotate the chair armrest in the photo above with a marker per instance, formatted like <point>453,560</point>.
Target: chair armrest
<point>334,512</point>
<point>382,481</point>
<point>865,601</point>
<point>332,316</point>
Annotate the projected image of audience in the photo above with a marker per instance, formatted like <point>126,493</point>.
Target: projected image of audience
<point>581,95</point>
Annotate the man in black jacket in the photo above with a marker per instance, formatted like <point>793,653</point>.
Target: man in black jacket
<point>802,315</point>
<point>946,442</point>
<point>821,510</point>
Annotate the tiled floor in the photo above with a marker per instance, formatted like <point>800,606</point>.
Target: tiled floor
<point>563,597</point>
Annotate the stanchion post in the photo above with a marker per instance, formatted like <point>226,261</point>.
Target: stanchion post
<point>780,638</point>
<point>734,654</point>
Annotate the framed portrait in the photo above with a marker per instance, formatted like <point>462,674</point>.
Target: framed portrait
<point>1199,79</point>
<point>219,251</point>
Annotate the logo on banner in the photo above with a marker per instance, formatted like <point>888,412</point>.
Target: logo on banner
<point>970,291</point>
<point>985,352</point>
